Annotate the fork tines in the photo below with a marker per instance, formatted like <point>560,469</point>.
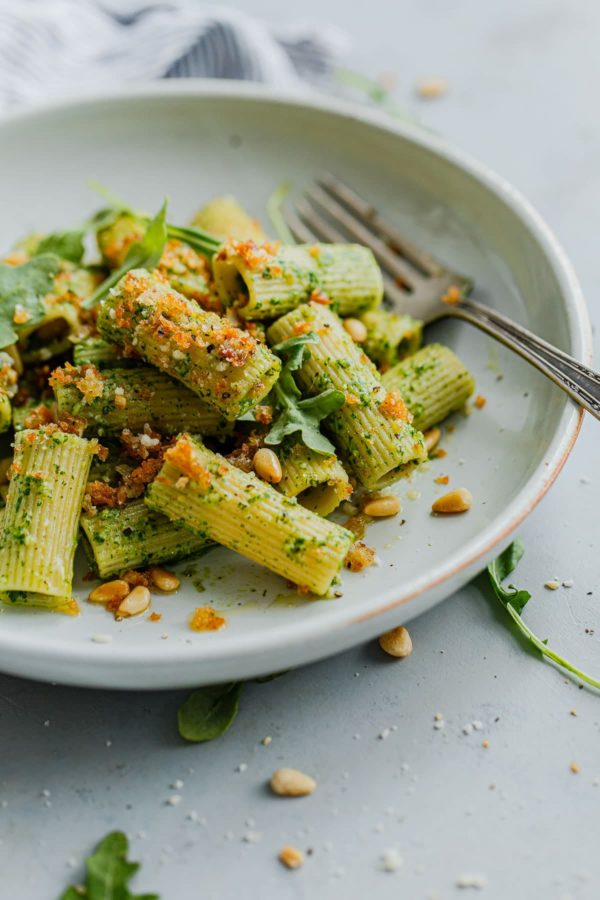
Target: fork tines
<point>333,211</point>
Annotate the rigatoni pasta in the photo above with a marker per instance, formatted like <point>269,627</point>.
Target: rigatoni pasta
<point>232,405</point>
<point>434,383</point>
<point>266,280</point>
<point>40,521</point>
<point>115,399</point>
<point>225,218</point>
<point>319,482</point>
<point>133,536</point>
<point>219,502</point>
<point>390,337</point>
<point>222,364</point>
<point>372,430</point>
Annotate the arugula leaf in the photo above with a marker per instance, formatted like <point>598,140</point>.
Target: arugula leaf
<point>374,91</point>
<point>499,570</point>
<point>65,244</point>
<point>108,873</point>
<point>274,204</point>
<point>515,600</point>
<point>297,415</point>
<point>200,240</point>
<point>106,216</point>
<point>25,286</point>
<point>209,711</point>
<point>263,679</point>
<point>144,254</point>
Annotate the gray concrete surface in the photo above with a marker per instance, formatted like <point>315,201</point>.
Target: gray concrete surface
<point>524,82</point>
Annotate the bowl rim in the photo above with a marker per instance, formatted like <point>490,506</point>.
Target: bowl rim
<point>457,569</point>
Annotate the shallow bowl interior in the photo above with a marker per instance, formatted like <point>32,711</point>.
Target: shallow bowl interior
<point>193,142</point>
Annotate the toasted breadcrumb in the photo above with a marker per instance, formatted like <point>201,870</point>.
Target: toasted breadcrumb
<point>20,315</point>
<point>452,296</point>
<point>357,524</point>
<point>205,618</point>
<point>135,578</point>
<point>102,494</point>
<point>432,88</point>
<point>320,297</point>
<point>182,456</point>
<point>359,557</point>
<point>394,407</point>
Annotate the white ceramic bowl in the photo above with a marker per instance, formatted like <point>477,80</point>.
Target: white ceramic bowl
<point>194,140</point>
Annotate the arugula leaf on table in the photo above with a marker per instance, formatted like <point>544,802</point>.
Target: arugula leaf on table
<point>209,711</point>
<point>25,286</point>
<point>65,244</point>
<point>374,91</point>
<point>263,679</point>
<point>108,873</point>
<point>144,254</point>
<point>297,415</point>
<point>515,600</point>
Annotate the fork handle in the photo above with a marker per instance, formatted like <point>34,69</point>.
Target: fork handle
<point>580,382</point>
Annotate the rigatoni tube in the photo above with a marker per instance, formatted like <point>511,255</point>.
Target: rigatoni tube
<point>133,536</point>
<point>39,531</point>
<point>372,430</point>
<point>95,351</point>
<point>201,490</point>
<point>225,218</point>
<point>65,605</point>
<point>50,336</point>
<point>318,482</point>
<point>131,398</point>
<point>390,337</point>
<point>223,365</point>
<point>434,383</point>
<point>186,270</point>
<point>267,280</point>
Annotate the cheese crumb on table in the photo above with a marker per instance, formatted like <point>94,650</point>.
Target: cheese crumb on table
<point>471,881</point>
<point>391,860</point>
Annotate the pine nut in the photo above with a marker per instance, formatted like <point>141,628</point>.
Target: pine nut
<point>396,642</point>
<point>291,857</point>
<point>110,592</point>
<point>431,438</point>
<point>163,580</point>
<point>381,507</point>
<point>458,501</point>
<point>136,602</point>
<point>292,783</point>
<point>267,466</point>
<point>356,329</point>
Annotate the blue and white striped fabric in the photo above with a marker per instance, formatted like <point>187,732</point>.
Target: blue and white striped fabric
<point>53,48</point>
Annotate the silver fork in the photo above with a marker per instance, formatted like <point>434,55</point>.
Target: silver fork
<point>415,281</point>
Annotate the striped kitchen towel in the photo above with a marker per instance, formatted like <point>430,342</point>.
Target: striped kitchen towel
<point>52,48</point>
